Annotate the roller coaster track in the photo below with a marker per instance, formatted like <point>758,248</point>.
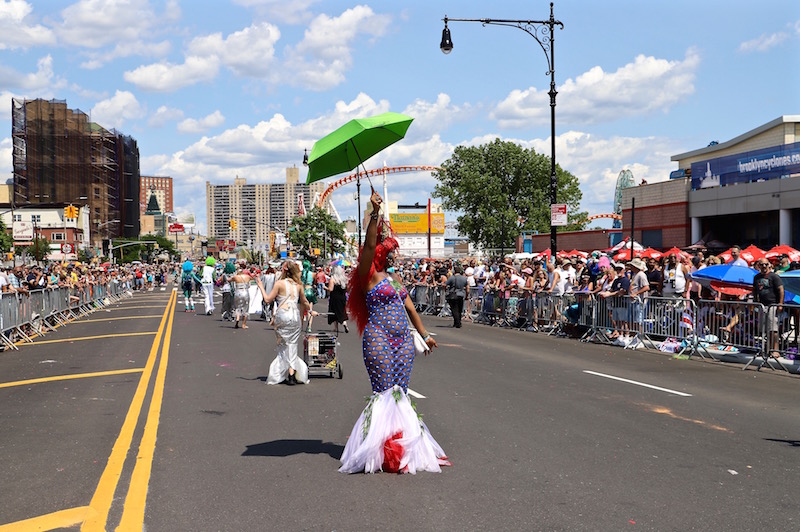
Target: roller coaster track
<point>613,216</point>
<point>371,173</point>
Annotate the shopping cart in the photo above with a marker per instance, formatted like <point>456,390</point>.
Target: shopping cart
<point>320,354</point>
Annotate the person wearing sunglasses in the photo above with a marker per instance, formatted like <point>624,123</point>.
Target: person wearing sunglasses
<point>768,290</point>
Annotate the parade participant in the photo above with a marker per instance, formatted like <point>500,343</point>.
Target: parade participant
<point>337,299</point>
<point>241,295</point>
<point>388,435</point>
<point>227,291</point>
<point>188,278</point>
<point>207,279</point>
<point>290,299</point>
<point>307,277</point>
<point>268,278</point>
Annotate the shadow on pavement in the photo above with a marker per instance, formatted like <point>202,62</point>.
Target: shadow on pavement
<point>792,443</point>
<point>291,447</point>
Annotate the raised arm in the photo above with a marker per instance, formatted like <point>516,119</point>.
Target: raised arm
<point>371,238</point>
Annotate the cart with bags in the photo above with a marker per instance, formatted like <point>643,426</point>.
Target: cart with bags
<point>320,352</point>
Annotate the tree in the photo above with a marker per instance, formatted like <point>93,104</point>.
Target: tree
<point>39,250</point>
<point>502,190</point>
<point>317,229</point>
<point>6,240</point>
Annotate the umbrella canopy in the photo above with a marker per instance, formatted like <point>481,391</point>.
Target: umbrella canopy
<point>777,251</point>
<point>791,281</point>
<point>626,244</point>
<point>341,262</point>
<point>353,143</point>
<point>578,253</point>
<point>650,253</point>
<point>625,254</point>
<point>677,251</point>
<point>727,274</point>
<point>752,253</point>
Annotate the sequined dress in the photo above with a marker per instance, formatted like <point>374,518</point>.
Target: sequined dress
<point>389,435</point>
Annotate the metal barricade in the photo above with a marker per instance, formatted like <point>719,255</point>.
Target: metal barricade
<point>730,331</point>
<point>549,311</point>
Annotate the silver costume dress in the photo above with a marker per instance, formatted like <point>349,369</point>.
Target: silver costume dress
<point>241,300</point>
<point>287,330</point>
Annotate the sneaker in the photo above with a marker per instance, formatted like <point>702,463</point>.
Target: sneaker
<point>345,328</point>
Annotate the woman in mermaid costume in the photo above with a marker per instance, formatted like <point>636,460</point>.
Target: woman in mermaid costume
<point>388,435</point>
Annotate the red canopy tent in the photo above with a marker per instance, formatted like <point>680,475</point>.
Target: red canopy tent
<point>651,253</point>
<point>752,253</point>
<point>676,251</point>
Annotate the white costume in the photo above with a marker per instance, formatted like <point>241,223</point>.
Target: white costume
<point>207,280</point>
<point>287,329</point>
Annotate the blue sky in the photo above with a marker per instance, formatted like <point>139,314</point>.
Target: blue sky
<point>216,89</point>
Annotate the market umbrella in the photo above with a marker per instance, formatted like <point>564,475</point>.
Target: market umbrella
<point>341,262</point>
<point>677,251</point>
<point>752,253</point>
<point>651,253</point>
<point>578,253</point>
<point>349,146</point>
<point>791,281</point>
<point>782,249</point>
<point>728,274</point>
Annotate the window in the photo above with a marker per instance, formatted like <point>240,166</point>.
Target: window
<point>17,218</point>
<point>652,238</point>
<point>36,218</point>
<point>57,237</point>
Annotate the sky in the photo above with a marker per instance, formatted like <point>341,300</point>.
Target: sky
<point>215,89</point>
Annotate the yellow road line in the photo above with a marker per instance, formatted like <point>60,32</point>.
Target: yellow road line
<point>133,512</point>
<point>70,377</point>
<point>104,494</point>
<point>81,338</point>
<point>122,318</point>
<point>60,519</point>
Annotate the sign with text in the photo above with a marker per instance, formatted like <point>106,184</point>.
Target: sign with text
<point>558,214</point>
<point>404,223</point>
<point>23,230</point>
<point>176,228</point>
<point>67,248</point>
<point>757,165</point>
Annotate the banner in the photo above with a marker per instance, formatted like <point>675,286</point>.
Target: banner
<point>403,223</point>
<point>757,165</point>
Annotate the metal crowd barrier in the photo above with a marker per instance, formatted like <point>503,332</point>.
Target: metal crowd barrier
<point>26,316</point>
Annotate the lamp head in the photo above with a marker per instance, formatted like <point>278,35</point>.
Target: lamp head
<point>447,43</point>
<point>305,157</point>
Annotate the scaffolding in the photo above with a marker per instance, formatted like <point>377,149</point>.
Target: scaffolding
<point>60,155</point>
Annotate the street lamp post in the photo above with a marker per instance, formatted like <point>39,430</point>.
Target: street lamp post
<point>543,32</point>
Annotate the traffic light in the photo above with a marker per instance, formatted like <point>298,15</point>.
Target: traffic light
<point>70,211</point>
<point>232,224</point>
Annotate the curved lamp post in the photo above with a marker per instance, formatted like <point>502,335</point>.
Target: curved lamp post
<point>543,32</point>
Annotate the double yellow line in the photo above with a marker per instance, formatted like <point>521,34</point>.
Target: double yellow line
<point>95,516</point>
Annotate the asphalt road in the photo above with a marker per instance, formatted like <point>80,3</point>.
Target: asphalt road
<point>182,433</point>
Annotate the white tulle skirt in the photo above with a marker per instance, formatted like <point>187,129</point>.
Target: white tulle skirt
<point>389,436</point>
<point>287,331</point>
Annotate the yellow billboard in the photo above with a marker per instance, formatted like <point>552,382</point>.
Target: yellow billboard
<point>403,223</point>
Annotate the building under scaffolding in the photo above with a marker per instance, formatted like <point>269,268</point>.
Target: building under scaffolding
<point>60,156</point>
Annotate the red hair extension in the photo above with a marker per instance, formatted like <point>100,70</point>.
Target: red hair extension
<point>357,286</point>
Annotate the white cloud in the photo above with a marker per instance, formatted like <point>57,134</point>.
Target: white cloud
<point>97,23</point>
<point>248,52</point>
<point>17,31</point>
<point>163,115</point>
<point>432,117</point>
<point>6,160</point>
<point>166,77</point>
<point>41,80</point>
<point>191,125</point>
<point>647,85</point>
<point>127,49</point>
<point>763,42</point>
<point>322,58</point>
<point>113,112</point>
<point>292,12</point>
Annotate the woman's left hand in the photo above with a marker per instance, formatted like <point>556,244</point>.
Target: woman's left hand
<point>431,343</point>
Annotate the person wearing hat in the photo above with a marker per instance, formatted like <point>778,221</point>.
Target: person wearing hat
<point>227,291</point>
<point>640,286</point>
<point>456,290</point>
<point>207,279</point>
<point>620,288</point>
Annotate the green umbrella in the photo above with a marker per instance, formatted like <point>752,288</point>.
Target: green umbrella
<point>352,144</point>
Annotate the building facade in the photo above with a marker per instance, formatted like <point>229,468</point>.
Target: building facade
<point>257,209</point>
<point>59,157</point>
<point>161,188</point>
<point>747,190</point>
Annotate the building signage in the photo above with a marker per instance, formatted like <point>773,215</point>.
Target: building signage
<point>558,214</point>
<point>758,165</point>
<point>176,228</point>
<point>67,248</point>
<point>403,223</point>
<point>23,230</point>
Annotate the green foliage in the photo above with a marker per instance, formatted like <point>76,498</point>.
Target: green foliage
<point>502,190</point>
<point>39,250</point>
<point>312,230</point>
<point>6,240</point>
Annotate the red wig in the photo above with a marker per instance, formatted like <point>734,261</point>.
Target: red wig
<point>357,286</point>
